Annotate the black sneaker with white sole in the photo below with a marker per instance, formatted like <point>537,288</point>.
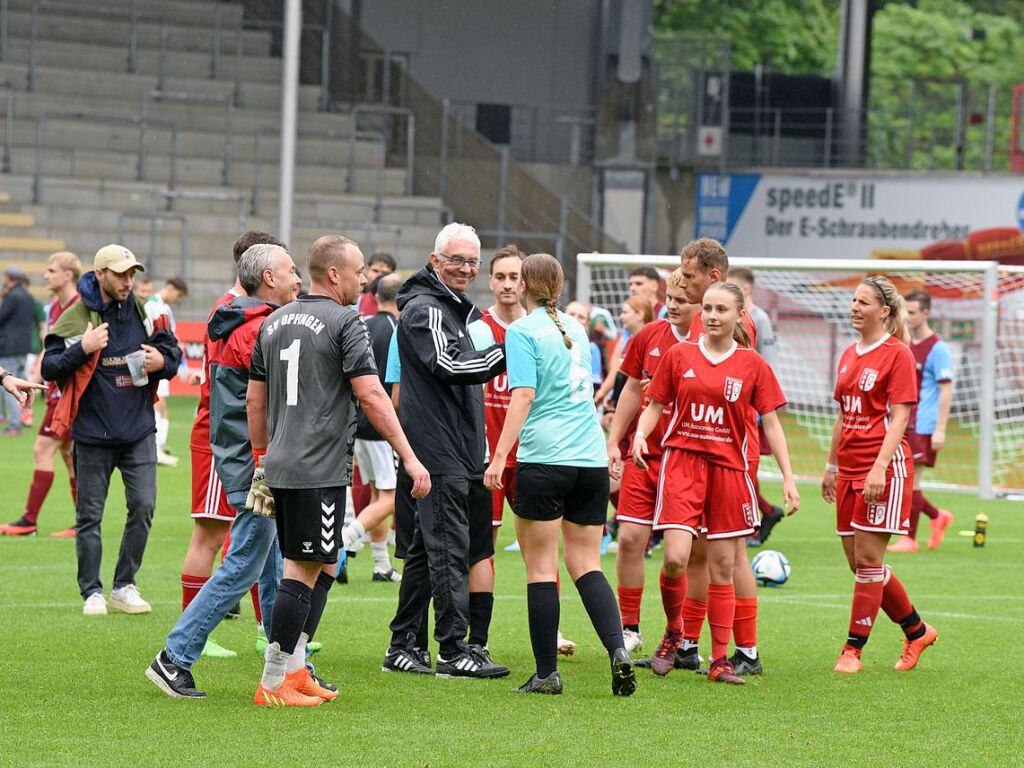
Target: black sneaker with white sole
<point>423,655</point>
<point>470,662</point>
<point>405,660</point>
<point>744,665</point>
<point>623,674</point>
<point>172,679</point>
<point>391,575</point>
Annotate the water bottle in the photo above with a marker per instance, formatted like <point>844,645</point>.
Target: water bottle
<point>980,529</point>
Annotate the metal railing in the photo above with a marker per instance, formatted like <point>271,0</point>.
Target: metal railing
<point>202,98</point>
<point>351,136</point>
<point>153,217</point>
<point>133,14</point>
<point>142,122</point>
<point>8,91</point>
<point>410,134</point>
<point>173,195</point>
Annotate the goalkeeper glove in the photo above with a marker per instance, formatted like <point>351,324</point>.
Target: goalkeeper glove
<point>352,537</point>
<point>260,500</point>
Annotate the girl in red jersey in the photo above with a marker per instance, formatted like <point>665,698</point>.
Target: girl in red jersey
<point>870,473</point>
<point>712,384</point>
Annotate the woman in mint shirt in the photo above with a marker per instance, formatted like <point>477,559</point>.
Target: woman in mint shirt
<point>561,474</point>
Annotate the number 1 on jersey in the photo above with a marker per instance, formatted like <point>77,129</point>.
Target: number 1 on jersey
<point>291,357</point>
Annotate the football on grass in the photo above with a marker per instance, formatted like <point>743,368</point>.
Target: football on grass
<point>771,568</point>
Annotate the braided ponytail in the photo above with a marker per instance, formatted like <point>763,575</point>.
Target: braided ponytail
<point>542,276</point>
<point>553,314</point>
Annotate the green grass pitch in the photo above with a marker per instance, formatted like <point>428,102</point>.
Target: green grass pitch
<point>72,690</point>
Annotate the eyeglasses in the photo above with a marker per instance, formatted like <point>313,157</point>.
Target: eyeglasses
<point>459,262</point>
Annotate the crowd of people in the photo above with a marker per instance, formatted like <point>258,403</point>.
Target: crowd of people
<point>400,394</point>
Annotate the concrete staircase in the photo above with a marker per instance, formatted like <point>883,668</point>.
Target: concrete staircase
<point>88,177</point>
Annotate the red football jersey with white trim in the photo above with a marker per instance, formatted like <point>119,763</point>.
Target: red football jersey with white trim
<point>200,439</point>
<point>643,356</point>
<point>868,381</point>
<point>714,399</point>
<point>496,395</point>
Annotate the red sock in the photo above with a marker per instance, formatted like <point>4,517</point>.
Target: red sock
<point>928,508</point>
<point>74,490</point>
<point>721,612</point>
<point>916,505</point>
<point>255,593</point>
<point>694,612</point>
<point>673,593</point>
<point>867,599</point>
<point>41,482</point>
<point>629,604</point>
<point>744,624</point>
<point>190,586</point>
<point>897,606</point>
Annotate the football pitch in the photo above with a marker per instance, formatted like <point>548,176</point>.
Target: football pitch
<point>72,689</point>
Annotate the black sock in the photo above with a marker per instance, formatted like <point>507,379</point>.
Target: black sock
<point>481,607</point>
<point>912,626</point>
<point>290,611</point>
<point>631,627</point>
<point>856,641</point>
<point>317,603</point>
<point>599,601</point>
<point>543,608</point>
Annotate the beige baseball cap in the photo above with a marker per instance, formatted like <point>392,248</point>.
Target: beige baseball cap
<point>116,258</point>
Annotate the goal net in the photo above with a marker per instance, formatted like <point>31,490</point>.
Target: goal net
<point>977,309</point>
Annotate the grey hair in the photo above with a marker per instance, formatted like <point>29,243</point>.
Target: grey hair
<point>455,231</point>
<point>256,260</point>
<point>388,287</point>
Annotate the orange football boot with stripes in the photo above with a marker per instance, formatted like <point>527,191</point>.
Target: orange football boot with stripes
<point>912,649</point>
<point>303,682</point>
<point>285,696</point>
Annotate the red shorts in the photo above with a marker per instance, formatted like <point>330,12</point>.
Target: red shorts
<point>507,491</point>
<point>46,428</point>
<point>891,515</point>
<point>921,449</point>
<point>638,493</point>
<point>208,498</point>
<point>695,494</point>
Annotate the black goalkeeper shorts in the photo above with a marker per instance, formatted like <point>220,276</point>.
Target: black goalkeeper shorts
<point>309,522</point>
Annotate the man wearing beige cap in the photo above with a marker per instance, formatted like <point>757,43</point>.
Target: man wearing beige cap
<point>107,353</point>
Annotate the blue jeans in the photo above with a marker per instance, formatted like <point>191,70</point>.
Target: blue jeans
<point>15,365</point>
<point>253,555</point>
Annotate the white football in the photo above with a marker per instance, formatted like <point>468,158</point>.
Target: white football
<point>771,568</point>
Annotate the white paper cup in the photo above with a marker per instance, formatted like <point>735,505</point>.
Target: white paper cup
<point>137,367</point>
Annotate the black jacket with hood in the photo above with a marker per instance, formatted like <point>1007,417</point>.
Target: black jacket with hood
<point>441,401</point>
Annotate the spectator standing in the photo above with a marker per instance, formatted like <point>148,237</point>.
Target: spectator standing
<point>174,290</point>
<point>109,409</point>
<point>17,326</point>
<point>380,264</point>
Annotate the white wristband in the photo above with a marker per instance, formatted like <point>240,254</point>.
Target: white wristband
<point>831,468</point>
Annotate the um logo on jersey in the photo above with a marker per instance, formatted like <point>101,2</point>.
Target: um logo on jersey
<point>707,413</point>
<point>852,404</point>
<point>868,377</point>
<point>733,387</point>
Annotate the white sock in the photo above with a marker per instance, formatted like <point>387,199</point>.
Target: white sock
<point>750,653</point>
<point>298,659</point>
<point>687,645</point>
<point>163,426</point>
<point>381,560</point>
<point>274,667</point>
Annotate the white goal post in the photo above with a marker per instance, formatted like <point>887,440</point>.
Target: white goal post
<point>977,308</point>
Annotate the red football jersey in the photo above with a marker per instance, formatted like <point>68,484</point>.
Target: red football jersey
<point>200,440</point>
<point>869,380</point>
<point>645,352</point>
<point>56,310</point>
<point>496,395</point>
<point>714,399</point>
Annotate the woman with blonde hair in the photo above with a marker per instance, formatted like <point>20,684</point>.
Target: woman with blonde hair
<point>561,474</point>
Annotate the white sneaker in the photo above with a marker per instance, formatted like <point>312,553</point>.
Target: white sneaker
<point>95,605</point>
<point>165,459</point>
<point>565,647</point>
<point>128,600</point>
<point>633,641</point>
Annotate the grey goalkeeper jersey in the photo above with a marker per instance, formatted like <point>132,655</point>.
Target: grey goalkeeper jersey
<point>307,352</point>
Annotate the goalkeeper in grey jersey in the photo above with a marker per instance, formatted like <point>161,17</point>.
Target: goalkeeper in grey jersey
<point>312,359</point>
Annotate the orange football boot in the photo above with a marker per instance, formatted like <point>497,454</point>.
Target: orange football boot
<point>938,528</point>
<point>849,661</point>
<point>912,649</point>
<point>303,682</point>
<point>285,696</point>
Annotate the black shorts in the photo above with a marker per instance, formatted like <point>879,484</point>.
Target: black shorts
<point>547,492</point>
<point>479,514</point>
<point>309,522</point>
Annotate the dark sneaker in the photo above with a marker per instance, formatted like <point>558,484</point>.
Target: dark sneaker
<point>552,684</point>
<point>405,660</point>
<point>664,659</point>
<point>623,676</point>
<point>721,671</point>
<point>391,576</point>
<point>688,659</point>
<point>423,655</point>
<point>235,612</point>
<point>331,687</point>
<point>172,679</point>
<point>471,662</point>
<point>744,665</point>
<point>768,522</point>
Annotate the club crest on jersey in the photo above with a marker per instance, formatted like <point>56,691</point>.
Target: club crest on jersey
<point>733,387</point>
<point>876,513</point>
<point>868,377</point>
